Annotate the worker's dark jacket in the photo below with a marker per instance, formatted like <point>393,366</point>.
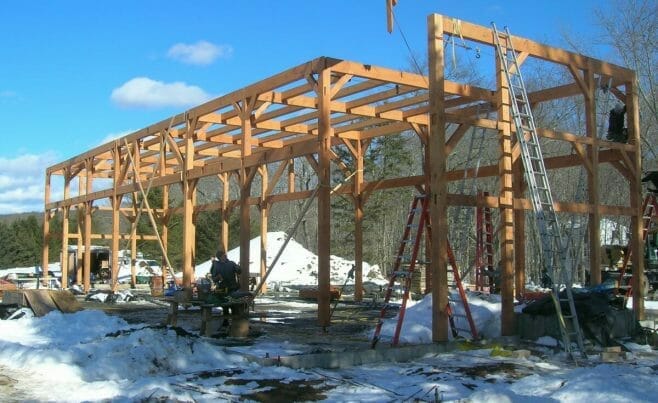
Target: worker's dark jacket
<point>224,274</point>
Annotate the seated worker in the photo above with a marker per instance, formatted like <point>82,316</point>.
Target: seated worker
<point>224,273</point>
<point>652,177</point>
<point>616,130</point>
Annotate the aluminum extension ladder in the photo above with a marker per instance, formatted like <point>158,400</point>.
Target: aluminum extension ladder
<point>404,267</point>
<point>554,251</point>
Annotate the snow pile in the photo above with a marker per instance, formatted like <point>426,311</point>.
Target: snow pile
<point>93,356</point>
<point>417,324</point>
<point>296,266</point>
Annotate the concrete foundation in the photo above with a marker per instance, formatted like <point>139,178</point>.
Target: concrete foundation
<point>346,359</point>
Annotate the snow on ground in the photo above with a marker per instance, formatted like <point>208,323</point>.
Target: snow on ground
<point>296,266</point>
<point>92,356</point>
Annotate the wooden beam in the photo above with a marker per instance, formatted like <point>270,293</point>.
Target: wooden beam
<point>484,35</point>
<point>324,202</point>
<point>506,174</point>
<point>64,255</point>
<point>46,231</point>
<point>189,200</point>
<point>635,194</point>
<point>358,151</point>
<point>438,191</point>
<point>594,158</point>
<point>246,178</point>
<point>115,202</point>
<point>86,274</point>
<point>456,137</point>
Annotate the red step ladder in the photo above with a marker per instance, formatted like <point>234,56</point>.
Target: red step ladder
<point>649,211</point>
<point>405,264</point>
<point>484,248</point>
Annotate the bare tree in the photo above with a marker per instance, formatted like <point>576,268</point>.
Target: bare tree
<point>630,29</point>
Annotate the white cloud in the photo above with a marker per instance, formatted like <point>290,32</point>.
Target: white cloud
<point>201,53</point>
<point>22,182</point>
<point>9,97</point>
<point>145,92</point>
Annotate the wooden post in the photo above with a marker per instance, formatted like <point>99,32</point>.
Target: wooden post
<point>86,270</point>
<point>137,169</point>
<point>291,175</point>
<point>116,205</point>
<point>65,232</point>
<point>264,216</point>
<point>115,201</point>
<point>224,177</point>
<point>80,224</point>
<point>323,92</point>
<point>165,232</point>
<point>519,232</point>
<point>426,187</point>
<point>245,232</point>
<point>46,232</point>
<point>594,220</point>
<point>189,200</point>
<point>246,176</point>
<point>358,222</point>
<point>635,191</point>
<point>133,246</point>
<point>437,193</point>
<point>506,204</point>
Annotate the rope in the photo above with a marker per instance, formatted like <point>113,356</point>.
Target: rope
<point>411,54</point>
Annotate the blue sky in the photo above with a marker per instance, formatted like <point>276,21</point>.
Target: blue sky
<point>77,73</point>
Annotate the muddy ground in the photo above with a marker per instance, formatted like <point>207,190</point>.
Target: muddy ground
<point>279,316</point>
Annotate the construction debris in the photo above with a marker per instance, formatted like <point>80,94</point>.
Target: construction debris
<point>43,301</point>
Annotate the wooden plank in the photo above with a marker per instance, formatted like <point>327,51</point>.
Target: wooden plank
<point>40,301</point>
<point>65,301</point>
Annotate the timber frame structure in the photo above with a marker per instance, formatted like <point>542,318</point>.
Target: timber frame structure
<point>309,110</point>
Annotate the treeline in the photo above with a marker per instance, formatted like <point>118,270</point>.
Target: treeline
<point>21,242</point>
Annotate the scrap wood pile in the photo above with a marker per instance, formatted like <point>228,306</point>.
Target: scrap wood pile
<point>601,314</point>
